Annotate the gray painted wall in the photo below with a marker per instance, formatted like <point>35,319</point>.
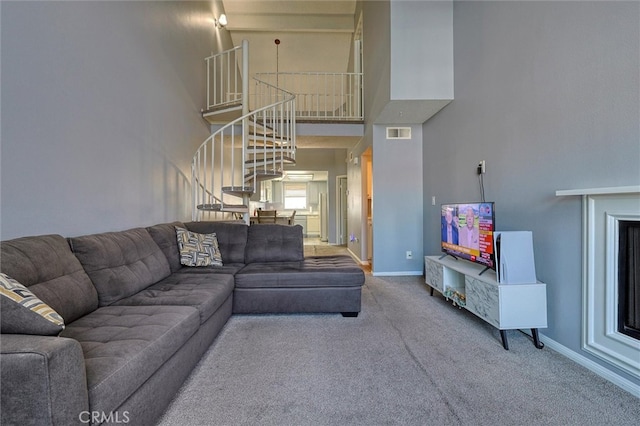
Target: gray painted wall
<point>408,56</point>
<point>428,75</point>
<point>100,113</point>
<point>397,203</point>
<point>549,95</point>
<point>376,39</point>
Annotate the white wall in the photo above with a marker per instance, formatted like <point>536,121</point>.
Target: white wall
<point>100,113</point>
<point>548,93</point>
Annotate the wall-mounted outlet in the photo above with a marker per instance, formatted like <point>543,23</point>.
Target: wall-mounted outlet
<point>409,254</point>
<point>482,167</point>
<point>433,200</point>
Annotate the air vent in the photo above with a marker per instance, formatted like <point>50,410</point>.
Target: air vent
<point>398,132</point>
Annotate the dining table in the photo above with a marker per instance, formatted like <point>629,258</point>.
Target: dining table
<point>281,219</point>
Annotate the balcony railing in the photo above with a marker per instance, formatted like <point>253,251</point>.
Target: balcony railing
<point>224,78</point>
<point>322,96</point>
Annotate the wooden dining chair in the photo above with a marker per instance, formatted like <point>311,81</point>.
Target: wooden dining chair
<point>267,216</point>
<point>291,218</point>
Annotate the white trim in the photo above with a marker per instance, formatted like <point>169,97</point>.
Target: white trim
<point>599,191</point>
<point>601,215</point>
<point>356,258</point>
<point>396,274</point>
<point>592,366</point>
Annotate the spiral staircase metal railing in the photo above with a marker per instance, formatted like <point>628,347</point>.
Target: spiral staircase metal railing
<point>254,146</point>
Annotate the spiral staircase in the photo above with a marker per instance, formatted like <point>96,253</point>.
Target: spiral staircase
<point>253,138</point>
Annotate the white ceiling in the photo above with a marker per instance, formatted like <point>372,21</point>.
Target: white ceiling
<point>314,35</point>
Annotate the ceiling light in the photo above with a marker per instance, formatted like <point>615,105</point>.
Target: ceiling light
<point>305,177</point>
<point>221,22</point>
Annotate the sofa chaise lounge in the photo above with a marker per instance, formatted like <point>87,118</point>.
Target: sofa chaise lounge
<point>106,327</point>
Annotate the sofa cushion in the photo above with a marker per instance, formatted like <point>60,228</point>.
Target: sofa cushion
<point>232,238</point>
<point>226,269</point>
<point>164,235</point>
<point>47,267</point>
<point>312,272</point>
<point>274,243</point>
<point>124,345</point>
<point>204,292</point>
<point>198,249</point>
<point>21,312</point>
<point>120,263</point>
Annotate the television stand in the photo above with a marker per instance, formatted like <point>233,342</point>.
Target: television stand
<point>504,306</point>
<point>534,334</point>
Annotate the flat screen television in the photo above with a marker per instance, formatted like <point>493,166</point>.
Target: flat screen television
<point>467,232</point>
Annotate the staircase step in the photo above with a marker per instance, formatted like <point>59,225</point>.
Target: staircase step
<point>269,144</point>
<point>270,159</point>
<point>261,122</point>
<point>217,207</point>
<point>262,175</point>
<point>269,173</point>
<point>268,136</point>
<point>223,113</point>
<point>222,108</point>
<point>239,191</point>
<point>261,144</point>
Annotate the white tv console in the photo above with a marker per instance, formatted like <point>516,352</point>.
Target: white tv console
<point>504,306</point>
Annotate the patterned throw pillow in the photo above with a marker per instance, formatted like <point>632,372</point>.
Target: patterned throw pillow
<point>23,313</point>
<point>198,249</point>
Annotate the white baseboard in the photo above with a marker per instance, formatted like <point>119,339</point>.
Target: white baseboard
<point>385,274</point>
<point>606,374</point>
<point>356,258</point>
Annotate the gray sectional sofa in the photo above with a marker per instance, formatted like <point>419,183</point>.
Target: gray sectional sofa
<point>136,320</point>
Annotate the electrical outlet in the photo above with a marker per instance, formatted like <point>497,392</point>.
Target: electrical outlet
<point>482,167</point>
<point>433,201</point>
<point>409,254</point>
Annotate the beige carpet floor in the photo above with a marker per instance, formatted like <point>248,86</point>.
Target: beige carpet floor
<point>408,359</point>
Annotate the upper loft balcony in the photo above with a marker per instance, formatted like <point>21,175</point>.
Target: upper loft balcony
<point>328,108</point>
<point>321,97</point>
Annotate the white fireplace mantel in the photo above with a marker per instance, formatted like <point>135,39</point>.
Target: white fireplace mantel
<point>600,191</point>
<point>602,210</point>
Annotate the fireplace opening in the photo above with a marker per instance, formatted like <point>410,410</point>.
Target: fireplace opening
<point>629,278</point>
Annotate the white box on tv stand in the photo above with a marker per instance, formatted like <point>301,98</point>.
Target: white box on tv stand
<point>515,263</point>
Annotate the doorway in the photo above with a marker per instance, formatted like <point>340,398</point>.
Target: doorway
<point>367,177</point>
